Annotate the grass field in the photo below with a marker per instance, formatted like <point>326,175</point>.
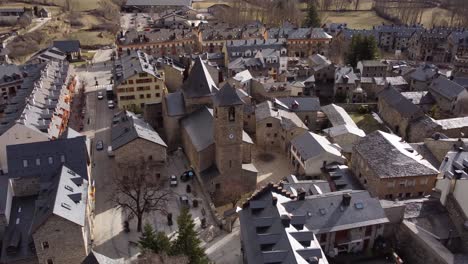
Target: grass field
<point>354,19</point>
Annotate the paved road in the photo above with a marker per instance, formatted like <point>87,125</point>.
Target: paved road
<point>226,248</point>
<point>40,22</point>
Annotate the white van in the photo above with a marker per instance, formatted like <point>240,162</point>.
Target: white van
<point>110,153</point>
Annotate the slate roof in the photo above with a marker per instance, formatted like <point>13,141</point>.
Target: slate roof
<point>67,46</point>
<point>344,129</point>
<point>325,213</point>
<point>199,127</point>
<point>97,258</point>
<point>310,145</point>
<point>127,127</point>
<point>337,115</point>
<point>10,73</point>
<point>389,157</point>
<point>199,82</point>
<point>446,88</point>
<point>66,197</point>
<point>424,72</point>
<point>399,103</point>
<point>260,213</point>
<point>288,120</point>
<point>463,81</point>
<point>455,165</point>
<point>134,63</point>
<point>345,71</point>
<point>373,63</point>
<point>311,187</point>
<point>298,104</point>
<point>419,97</point>
<point>175,104</point>
<point>73,150</point>
<point>297,33</point>
<point>227,96</point>
<point>158,3</point>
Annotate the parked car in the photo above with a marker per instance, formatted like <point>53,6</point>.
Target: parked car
<point>173,181</point>
<point>99,145</point>
<point>110,153</point>
<point>184,200</point>
<point>187,175</point>
<point>110,104</point>
<point>100,96</point>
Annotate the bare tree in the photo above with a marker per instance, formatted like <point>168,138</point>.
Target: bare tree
<point>135,194</point>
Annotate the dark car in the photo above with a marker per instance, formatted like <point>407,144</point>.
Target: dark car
<point>99,145</point>
<point>184,201</point>
<point>187,175</point>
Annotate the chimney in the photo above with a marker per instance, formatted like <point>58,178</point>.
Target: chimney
<point>274,201</point>
<point>313,260</point>
<point>346,199</point>
<point>301,194</point>
<point>285,220</point>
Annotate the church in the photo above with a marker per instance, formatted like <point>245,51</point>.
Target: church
<point>207,122</point>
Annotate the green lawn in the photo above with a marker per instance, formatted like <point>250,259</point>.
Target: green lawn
<point>366,122</point>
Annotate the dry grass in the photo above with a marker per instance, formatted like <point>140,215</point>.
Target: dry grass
<point>367,122</point>
<point>354,19</point>
<point>92,38</point>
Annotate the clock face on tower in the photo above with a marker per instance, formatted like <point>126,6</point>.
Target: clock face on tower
<point>231,136</point>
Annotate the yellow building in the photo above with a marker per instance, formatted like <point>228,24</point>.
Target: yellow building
<point>137,82</point>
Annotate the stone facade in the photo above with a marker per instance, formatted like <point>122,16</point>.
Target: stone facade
<point>140,150</point>
<point>459,219</point>
<point>392,187</point>
<point>60,241</point>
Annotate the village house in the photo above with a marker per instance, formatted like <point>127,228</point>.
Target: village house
<point>11,78</point>
<point>310,153</point>
<point>374,85</point>
<point>421,78</point>
<point>269,234</point>
<point>390,168</point>
<point>137,82</point>
<point>343,130</point>
<point>346,82</point>
<point>162,42</point>
<point>450,96</point>
<point>301,42</point>
<point>306,108</point>
<point>134,141</point>
<point>212,37</point>
<point>429,45</point>
<point>422,99</point>
<point>460,64</point>
<point>457,43</point>
<point>47,216</point>
<point>261,57</point>
<point>322,68</point>
<point>268,89</point>
<point>394,37</point>
<point>71,48</point>
<point>352,229</point>
<point>41,108</point>
<point>397,112</point>
<point>275,128</point>
<point>372,68</point>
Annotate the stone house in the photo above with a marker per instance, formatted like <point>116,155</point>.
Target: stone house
<point>137,82</point>
<point>457,44</point>
<point>306,108</point>
<point>450,96</point>
<point>133,141</point>
<point>421,78</point>
<point>346,81</point>
<point>390,168</point>
<point>422,99</point>
<point>275,128</point>
<point>374,85</point>
<point>322,68</point>
<point>429,45</point>
<point>47,202</point>
<point>310,153</point>
<point>372,68</point>
<point>263,216</point>
<point>343,131</point>
<point>262,90</point>
<point>301,42</point>
<point>163,42</point>
<point>71,48</point>
<point>394,37</point>
<point>397,111</point>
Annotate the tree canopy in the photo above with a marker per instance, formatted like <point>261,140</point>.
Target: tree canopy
<point>362,48</point>
<point>312,17</point>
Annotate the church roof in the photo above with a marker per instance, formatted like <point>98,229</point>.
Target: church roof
<point>199,82</point>
<point>226,96</point>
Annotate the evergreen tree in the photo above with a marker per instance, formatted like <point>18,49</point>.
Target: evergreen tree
<point>312,18</point>
<point>362,48</point>
<point>148,238</point>
<point>152,241</point>
<point>187,242</point>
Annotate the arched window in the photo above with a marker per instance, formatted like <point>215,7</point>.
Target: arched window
<point>232,114</point>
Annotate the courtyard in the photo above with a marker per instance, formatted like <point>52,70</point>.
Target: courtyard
<point>272,166</point>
